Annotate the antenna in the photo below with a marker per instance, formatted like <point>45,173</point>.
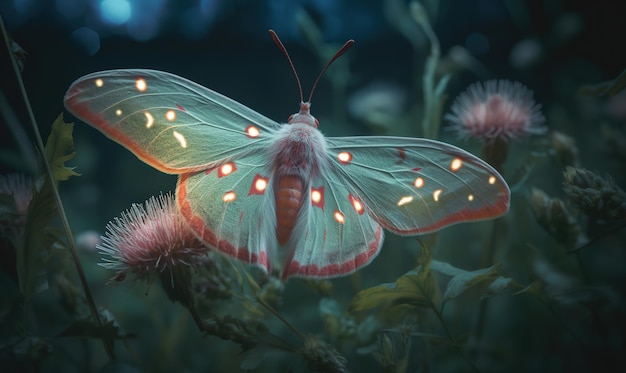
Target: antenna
<point>337,54</point>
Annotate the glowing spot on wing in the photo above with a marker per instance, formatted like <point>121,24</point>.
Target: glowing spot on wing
<point>99,82</point>
<point>317,197</point>
<point>344,157</point>
<point>226,169</point>
<point>141,85</point>
<point>436,194</point>
<point>118,112</point>
<point>492,179</point>
<point>229,196</point>
<point>356,203</point>
<point>419,182</point>
<point>170,115</point>
<point>252,131</point>
<point>149,119</point>
<point>470,197</point>
<point>404,200</point>
<point>339,217</point>
<point>180,138</point>
<point>456,164</point>
<point>260,185</point>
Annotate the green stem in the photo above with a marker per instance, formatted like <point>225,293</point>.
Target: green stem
<point>446,330</point>
<point>453,340</point>
<point>108,345</point>
<point>487,261</point>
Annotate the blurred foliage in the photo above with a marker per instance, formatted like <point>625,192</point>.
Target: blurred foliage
<point>610,88</point>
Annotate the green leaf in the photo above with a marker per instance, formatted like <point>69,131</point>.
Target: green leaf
<point>416,288</point>
<point>253,357</point>
<point>59,149</point>
<point>497,286</point>
<point>462,280</point>
<point>33,247</point>
<point>440,89</point>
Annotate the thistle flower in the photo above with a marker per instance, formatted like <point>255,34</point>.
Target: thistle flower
<point>597,197</point>
<point>21,187</point>
<point>555,218</point>
<point>495,112</point>
<point>496,109</point>
<point>154,239</point>
<point>322,357</point>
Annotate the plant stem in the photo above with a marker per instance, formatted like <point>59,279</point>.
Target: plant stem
<point>108,345</point>
<point>487,261</point>
<point>453,340</point>
<point>446,330</point>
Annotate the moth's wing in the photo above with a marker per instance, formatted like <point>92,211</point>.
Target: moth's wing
<point>334,236</point>
<point>413,186</point>
<point>231,208</point>
<point>171,123</point>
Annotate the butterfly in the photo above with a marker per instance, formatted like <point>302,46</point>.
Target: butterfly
<point>283,196</point>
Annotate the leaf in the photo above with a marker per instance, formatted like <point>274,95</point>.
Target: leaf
<point>33,247</point>
<point>253,357</point>
<point>332,316</point>
<point>59,149</point>
<point>441,85</point>
<point>497,286</point>
<point>462,280</point>
<point>610,88</point>
<point>415,288</point>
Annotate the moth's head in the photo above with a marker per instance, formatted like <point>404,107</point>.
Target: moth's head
<point>304,116</point>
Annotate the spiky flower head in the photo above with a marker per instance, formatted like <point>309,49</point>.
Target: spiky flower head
<point>496,110</point>
<point>20,187</point>
<point>149,240</point>
<point>323,357</point>
<point>13,216</point>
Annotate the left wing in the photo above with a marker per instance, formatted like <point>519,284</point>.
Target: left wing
<point>230,207</point>
<point>169,122</point>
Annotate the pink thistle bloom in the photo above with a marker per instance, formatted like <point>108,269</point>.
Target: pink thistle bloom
<point>21,188</point>
<point>496,109</point>
<point>149,239</point>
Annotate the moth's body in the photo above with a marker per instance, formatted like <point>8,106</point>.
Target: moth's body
<point>298,155</point>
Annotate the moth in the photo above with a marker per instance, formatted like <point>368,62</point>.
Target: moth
<point>282,196</point>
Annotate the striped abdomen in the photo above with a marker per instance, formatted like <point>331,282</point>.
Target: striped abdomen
<point>289,196</point>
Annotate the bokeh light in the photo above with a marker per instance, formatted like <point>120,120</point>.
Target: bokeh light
<point>115,12</point>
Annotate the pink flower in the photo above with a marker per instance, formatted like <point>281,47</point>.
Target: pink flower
<point>149,239</point>
<point>496,109</point>
<point>21,187</point>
